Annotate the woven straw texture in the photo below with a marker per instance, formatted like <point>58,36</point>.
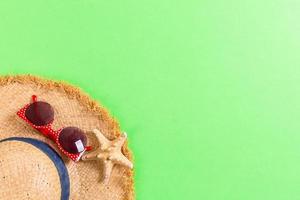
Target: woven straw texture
<point>46,176</point>
<point>72,108</point>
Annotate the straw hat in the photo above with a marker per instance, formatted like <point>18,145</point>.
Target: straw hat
<point>33,167</point>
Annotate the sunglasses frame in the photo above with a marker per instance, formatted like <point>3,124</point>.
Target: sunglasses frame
<point>47,131</point>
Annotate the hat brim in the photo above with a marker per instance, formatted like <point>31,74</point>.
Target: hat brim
<point>72,108</point>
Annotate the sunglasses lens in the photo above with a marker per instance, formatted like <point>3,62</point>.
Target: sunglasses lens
<point>40,113</point>
<point>72,139</point>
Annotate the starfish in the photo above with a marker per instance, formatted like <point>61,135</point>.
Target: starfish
<point>110,153</point>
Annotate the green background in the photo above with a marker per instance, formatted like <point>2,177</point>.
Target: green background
<point>208,91</point>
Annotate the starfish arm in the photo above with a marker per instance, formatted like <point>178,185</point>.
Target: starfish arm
<point>103,141</point>
<point>120,140</point>
<point>107,170</point>
<point>90,156</point>
<point>121,160</point>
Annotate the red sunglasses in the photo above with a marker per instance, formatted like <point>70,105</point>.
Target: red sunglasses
<point>70,140</point>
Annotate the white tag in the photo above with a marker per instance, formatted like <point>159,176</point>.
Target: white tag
<point>79,145</point>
